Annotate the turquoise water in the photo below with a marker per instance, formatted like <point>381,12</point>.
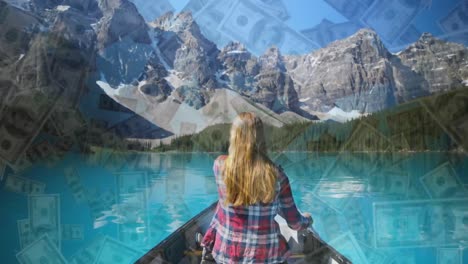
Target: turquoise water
<point>112,208</point>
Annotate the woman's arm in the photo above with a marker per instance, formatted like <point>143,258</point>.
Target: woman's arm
<point>287,206</point>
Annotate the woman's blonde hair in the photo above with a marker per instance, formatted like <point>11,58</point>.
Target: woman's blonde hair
<point>249,175</point>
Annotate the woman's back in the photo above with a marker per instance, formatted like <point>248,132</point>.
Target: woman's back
<point>249,233</point>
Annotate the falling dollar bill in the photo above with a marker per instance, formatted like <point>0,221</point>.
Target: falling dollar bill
<point>359,225</point>
<point>22,164</point>
<point>8,88</point>
<point>25,233</point>
<point>352,10</point>
<point>74,183</point>
<point>18,184</point>
<point>455,20</point>
<point>258,30</point>
<point>421,223</point>
<point>347,245</point>
<point>43,250</point>
<point>113,251</point>
<point>443,182</point>
<point>72,232</point>
<point>391,18</point>
<point>89,253</point>
<point>208,14</point>
<point>132,189</point>
<point>44,212</point>
<point>99,202</point>
<point>151,10</point>
<point>275,8</point>
<point>21,121</point>
<point>389,182</point>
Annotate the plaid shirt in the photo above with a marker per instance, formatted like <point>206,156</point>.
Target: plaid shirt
<point>249,234</point>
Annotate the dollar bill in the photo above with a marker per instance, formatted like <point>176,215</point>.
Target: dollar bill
<point>151,10</point>
<point>195,6</point>
<point>347,245</point>
<point>391,18</point>
<point>73,181</point>
<point>72,232</point>
<point>89,253</point>
<point>132,193</point>
<point>22,120</point>
<point>43,250</point>
<point>448,110</point>
<point>411,35</point>
<point>443,182</point>
<point>99,202</point>
<point>258,30</point>
<point>22,164</point>
<point>455,20</point>
<point>68,121</point>
<point>327,31</point>
<point>420,223</point>
<point>275,8</point>
<point>352,10</point>
<point>208,14</point>
<point>44,213</point>
<point>458,36</point>
<point>374,255</point>
<point>365,137</point>
<point>43,151</point>
<point>449,255</point>
<point>18,184</point>
<point>359,225</point>
<point>131,182</point>
<point>389,183</point>
<point>113,251</point>
<point>25,233</point>
<point>8,88</point>
<point>460,229</point>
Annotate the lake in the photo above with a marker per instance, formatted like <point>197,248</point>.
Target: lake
<point>112,207</point>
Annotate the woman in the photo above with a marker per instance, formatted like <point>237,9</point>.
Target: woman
<point>252,190</point>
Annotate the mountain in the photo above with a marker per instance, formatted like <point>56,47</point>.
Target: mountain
<point>169,73</point>
<point>356,73</point>
<point>442,64</point>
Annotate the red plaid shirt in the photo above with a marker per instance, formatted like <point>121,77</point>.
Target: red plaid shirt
<point>249,234</point>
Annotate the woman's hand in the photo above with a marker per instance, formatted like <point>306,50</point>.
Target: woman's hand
<point>308,215</point>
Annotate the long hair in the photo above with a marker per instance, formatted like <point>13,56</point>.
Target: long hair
<point>249,175</point>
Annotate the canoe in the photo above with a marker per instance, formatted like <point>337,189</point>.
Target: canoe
<point>182,247</point>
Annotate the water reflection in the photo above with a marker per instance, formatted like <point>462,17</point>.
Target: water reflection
<point>113,207</point>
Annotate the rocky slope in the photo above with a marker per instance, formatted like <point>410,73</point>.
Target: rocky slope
<point>357,73</point>
<point>443,65</point>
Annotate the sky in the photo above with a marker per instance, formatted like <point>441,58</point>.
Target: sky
<point>305,14</point>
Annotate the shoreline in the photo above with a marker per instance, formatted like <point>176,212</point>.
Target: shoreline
<point>285,151</point>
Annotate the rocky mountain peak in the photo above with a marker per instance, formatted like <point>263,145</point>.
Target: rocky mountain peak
<point>272,60</point>
<point>364,43</point>
<point>177,22</point>
<point>443,64</point>
<point>120,19</point>
<point>234,46</point>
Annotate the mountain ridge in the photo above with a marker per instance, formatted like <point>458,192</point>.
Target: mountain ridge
<point>169,60</point>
